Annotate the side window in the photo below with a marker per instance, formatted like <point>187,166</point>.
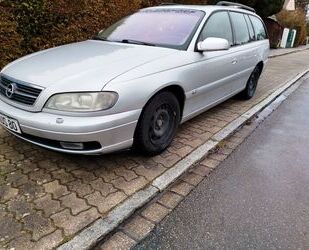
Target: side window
<point>240,28</point>
<point>250,27</point>
<point>218,25</point>
<point>259,28</point>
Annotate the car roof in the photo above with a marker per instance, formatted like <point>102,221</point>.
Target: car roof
<point>205,8</point>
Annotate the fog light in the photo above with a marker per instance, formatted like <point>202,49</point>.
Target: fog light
<point>72,145</point>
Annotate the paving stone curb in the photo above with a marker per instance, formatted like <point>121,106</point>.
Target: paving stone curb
<point>91,236</point>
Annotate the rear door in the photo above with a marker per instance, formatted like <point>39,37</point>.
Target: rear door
<point>262,42</point>
<point>244,48</point>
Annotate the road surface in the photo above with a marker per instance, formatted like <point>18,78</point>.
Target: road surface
<point>257,199</point>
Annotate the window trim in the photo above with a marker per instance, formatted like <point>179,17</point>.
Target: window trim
<point>248,24</point>
<point>232,27</point>
<point>205,23</point>
<point>243,14</point>
<point>266,31</point>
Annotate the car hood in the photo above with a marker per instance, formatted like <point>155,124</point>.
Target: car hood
<point>87,65</point>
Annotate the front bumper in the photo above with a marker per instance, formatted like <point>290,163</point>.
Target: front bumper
<point>111,132</point>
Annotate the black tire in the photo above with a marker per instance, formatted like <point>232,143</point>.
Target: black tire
<point>158,124</point>
<point>252,83</point>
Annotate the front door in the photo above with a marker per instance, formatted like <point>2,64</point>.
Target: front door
<point>213,76</point>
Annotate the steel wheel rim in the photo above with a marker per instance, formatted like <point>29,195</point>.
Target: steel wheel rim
<point>162,123</point>
<point>253,82</point>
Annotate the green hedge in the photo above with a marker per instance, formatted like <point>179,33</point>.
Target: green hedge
<point>30,25</point>
<point>27,26</point>
<point>10,40</point>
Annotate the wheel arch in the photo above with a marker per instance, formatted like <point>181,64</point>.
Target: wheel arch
<point>175,89</point>
<point>260,65</point>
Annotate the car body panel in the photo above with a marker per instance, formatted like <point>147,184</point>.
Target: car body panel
<point>136,73</point>
<point>82,63</point>
<point>79,67</point>
<point>113,132</point>
<point>200,85</point>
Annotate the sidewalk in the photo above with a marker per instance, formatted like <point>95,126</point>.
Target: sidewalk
<point>47,198</point>
<point>280,52</point>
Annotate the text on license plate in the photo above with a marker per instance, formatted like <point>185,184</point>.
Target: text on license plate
<point>10,124</point>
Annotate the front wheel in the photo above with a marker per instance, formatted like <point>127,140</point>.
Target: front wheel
<point>252,83</point>
<point>158,124</point>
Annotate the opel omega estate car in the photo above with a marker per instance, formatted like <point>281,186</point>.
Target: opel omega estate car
<point>136,81</point>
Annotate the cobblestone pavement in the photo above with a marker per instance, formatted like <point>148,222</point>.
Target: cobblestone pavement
<point>47,197</point>
<point>136,232</point>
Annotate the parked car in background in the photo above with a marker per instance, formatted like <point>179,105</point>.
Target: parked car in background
<point>134,83</point>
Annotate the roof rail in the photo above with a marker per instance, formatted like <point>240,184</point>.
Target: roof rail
<point>237,5</point>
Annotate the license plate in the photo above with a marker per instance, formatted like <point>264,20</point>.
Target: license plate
<point>10,124</point>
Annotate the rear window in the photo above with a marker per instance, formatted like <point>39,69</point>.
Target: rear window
<point>259,28</point>
<point>240,28</point>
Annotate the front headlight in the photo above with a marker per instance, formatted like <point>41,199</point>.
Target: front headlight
<point>82,102</point>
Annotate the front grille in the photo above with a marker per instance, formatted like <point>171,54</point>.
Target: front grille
<point>23,93</point>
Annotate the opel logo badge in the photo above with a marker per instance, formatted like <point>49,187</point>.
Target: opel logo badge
<point>10,90</point>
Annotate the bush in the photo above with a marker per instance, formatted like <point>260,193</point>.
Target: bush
<point>10,40</point>
<point>31,25</point>
<point>294,20</point>
<point>30,18</point>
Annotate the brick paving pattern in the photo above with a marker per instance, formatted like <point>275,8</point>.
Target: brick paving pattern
<point>141,224</point>
<point>46,197</point>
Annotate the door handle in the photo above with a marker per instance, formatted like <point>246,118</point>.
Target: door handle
<point>234,61</point>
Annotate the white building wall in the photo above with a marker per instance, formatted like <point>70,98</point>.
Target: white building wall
<point>289,5</point>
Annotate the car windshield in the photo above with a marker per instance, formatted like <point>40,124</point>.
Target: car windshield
<point>172,28</point>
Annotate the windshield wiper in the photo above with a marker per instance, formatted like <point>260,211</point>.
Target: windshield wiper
<point>130,41</point>
<point>136,42</point>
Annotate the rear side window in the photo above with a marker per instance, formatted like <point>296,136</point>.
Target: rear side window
<point>240,28</point>
<point>250,27</point>
<point>259,28</point>
<point>218,25</point>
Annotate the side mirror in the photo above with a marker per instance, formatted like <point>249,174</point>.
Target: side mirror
<point>213,44</point>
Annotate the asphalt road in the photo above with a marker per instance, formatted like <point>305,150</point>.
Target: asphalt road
<point>257,199</point>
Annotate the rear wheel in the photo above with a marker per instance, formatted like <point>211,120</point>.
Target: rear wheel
<point>158,124</point>
<point>252,83</point>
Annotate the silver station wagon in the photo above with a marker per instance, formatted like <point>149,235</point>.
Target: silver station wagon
<point>136,81</point>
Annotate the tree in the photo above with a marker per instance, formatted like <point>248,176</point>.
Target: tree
<point>264,8</point>
<point>294,20</point>
<point>302,4</point>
